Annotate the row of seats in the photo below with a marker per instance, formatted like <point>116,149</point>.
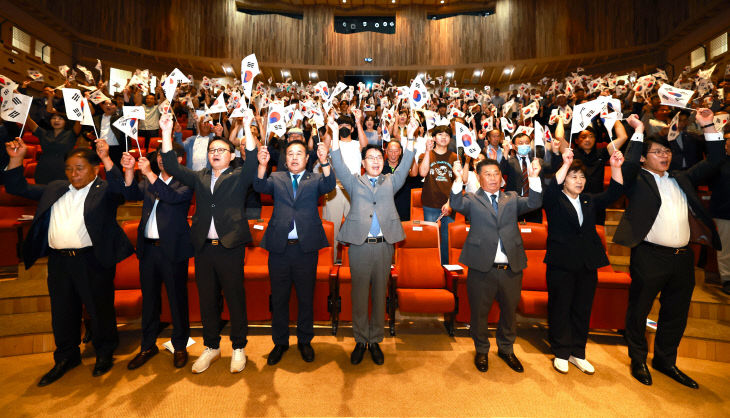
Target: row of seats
<point>419,284</point>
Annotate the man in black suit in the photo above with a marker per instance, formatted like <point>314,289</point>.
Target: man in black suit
<point>163,249</point>
<point>656,226</point>
<point>686,146</point>
<point>293,239</point>
<point>113,136</point>
<point>574,254</point>
<point>219,234</point>
<point>75,225</point>
<point>494,253</point>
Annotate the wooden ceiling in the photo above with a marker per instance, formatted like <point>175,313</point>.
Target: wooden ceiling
<point>366,7</point>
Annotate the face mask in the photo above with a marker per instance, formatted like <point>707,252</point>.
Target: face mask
<point>345,132</point>
<point>523,149</point>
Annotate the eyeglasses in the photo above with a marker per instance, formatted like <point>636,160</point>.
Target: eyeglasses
<point>217,151</point>
<point>375,158</point>
<point>664,152</point>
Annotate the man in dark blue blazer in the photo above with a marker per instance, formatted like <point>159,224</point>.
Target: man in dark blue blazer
<point>76,226</point>
<point>293,238</point>
<point>163,249</point>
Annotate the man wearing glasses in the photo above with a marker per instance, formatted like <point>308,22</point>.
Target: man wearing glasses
<point>371,228</point>
<point>656,225</point>
<point>219,234</point>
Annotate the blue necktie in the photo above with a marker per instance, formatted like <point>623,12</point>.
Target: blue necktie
<point>375,225</point>
<point>295,185</point>
<point>496,210</point>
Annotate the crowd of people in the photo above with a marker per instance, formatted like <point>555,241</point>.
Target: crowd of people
<point>363,152</point>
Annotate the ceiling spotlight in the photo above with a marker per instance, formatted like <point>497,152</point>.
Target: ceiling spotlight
<point>312,74</point>
<point>509,70</point>
<point>392,1</point>
<point>478,73</point>
<point>449,74</point>
<point>442,1</point>
<point>285,73</point>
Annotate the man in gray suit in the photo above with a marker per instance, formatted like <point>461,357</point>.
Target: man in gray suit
<point>293,238</point>
<point>495,256</point>
<point>371,228</point>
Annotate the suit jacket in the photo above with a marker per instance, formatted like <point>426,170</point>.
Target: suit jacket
<point>302,208</point>
<point>480,245</point>
<point>644,199</point>
<point>513,170</point>
<point>366,200</point>
<point>226,203</point>
<point>110,243</point>
<point>570,245</point>
<point>690,150</point>
<point>171,212</point>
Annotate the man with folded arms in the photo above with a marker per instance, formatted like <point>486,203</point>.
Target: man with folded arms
<point>293,239</point>
<point>371,228</point>
<point>219,234</point>
<point>494,253</point>
<point>656,226</point>
<point>76,226</point>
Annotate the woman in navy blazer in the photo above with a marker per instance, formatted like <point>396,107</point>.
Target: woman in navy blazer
<point>574,254</point>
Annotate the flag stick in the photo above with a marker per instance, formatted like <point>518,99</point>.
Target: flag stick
<point>22,128</point>
<point>126,143</point>
<point>138,147</point>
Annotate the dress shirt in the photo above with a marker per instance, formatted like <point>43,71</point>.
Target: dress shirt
<point>212,233</point>
<point>500,257</point>
<point>67,228</point>
<point>106,131</point>
<point>576,204</point>
<point>200,153</point>
<point>293,233</point>
<point>380,231</point>
<point>671,226</point>
<point>150,230</point>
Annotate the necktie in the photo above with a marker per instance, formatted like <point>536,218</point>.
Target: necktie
<point>496,210</point>
<point>525,181</point>
<point>295,185</point>
<point>375,225</point>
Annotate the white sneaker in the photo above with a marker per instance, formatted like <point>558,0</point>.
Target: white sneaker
<point>238,360</point>
<point>203,362</point>
<point>582,365</point>
<point>560,365</point>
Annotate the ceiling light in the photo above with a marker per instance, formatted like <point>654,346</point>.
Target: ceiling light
<point>449,74</point>
<point>312,74</point>
<point>285,73</point>
<point>442,1</point>
<point>478,73</point>
<point>509,70</point>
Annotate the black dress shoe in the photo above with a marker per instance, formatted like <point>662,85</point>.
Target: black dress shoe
<point>58,370</point>
<point>481,361</point>
<point>142,357</point>
<point>376,353</point>
<point>103,365</point>
<point>676,374</point>
<point>276,353</point>
<point>180,358</point>
<point>357,353</point>
<point>641,372</point>
<point>512,362</point>
<point>306,351</point>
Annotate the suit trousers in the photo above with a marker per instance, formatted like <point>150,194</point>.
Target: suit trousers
<point>296,267</point>
<point>657,270</point>
<point>482,289</point>
<point>79,280</point>
<point>217,269</point>
<point>570,299</point>
<point>723,256</point>
<point>155,269</point>
<point>336,206</point>
<point>370,267</point>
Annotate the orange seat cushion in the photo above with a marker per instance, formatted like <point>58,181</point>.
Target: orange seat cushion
<point>425,300</point>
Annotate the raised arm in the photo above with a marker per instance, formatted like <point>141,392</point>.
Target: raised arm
<point>426,162</point>
<point>360,132</point>
<point>15,182</point>
<point>619,140</point>
<point>715,148</point>
<point>169,158</point>
<point>632,164</point>
<point>341,171</point>
<point>457,199</point>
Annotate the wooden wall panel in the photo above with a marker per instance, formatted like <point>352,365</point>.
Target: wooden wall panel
<point>520,29</point>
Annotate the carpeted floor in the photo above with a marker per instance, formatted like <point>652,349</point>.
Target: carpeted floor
<point>426,373</point>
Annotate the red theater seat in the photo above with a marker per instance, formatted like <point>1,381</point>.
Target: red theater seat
<point>11,208</point>
<point>127,289</point>
<point>418,281</point>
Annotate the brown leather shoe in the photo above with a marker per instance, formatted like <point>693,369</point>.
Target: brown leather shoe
<point>180,358</point>
<point>142,358</point>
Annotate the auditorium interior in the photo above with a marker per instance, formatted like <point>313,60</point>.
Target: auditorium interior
<point>517,46</point>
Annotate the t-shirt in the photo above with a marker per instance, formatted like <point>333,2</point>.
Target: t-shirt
<point>437,183</point>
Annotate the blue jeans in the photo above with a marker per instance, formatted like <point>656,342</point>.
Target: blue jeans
<point>430,215</point>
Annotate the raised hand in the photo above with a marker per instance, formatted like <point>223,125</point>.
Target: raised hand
<point>635,123</point>
<point>617,159</point>
<point>568,156</point>
<point>166,122</point>
<point>458,170</point>
<point>127,161</point>
<point>704,116</point>
<point>144,165</point>
<point>358,115</point>
<point>536,168</point>
<point>322,152</point>
<point>334,126</point>
<point>218,130</point>
<point>177,127</point>
<point>16,148</point>
<point>413,126</point>
<point>430,143</point>
<point>102,148</point>
<point>263,155</point>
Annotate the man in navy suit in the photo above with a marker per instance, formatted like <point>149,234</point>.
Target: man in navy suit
<point>163,249</point>
<point>76,226</point>
<point>293,238</point>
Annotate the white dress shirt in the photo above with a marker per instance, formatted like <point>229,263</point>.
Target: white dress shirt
<point>293,233</point>
<point>500,257</point>
<point>106,131</point>
<point>150,230</point>
<point>67,229</point>
<point>212,233</point>
<point>380,231</point>
<point>671,226</point>
<point>576,204</point>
